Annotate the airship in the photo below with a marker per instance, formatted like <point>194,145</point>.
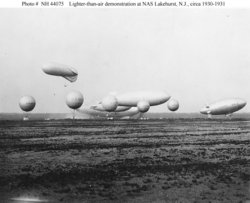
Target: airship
<point>129,104</point>
<point>99,107</point>
<point>27,199</point>
<point>130,113</point>
<point>223,107</point>
<point>61,70</point>
<point>141,99</point>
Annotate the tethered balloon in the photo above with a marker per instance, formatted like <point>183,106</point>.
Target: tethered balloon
<point>74,100</point>
<point>173,105</point>
<point>27,103</point>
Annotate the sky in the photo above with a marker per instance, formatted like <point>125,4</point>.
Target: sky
<point>196,55</point>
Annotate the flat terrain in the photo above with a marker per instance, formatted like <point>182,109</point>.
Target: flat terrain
<point>169,160</point>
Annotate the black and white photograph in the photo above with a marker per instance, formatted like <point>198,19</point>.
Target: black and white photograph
<point>125,104</point>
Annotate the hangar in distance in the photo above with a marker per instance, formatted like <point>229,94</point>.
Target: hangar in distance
<point>64,71</point>
<point>223,107</point>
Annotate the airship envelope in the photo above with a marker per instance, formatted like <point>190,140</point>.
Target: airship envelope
<point>65,71</point>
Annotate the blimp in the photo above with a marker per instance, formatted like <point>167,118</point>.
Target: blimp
<point>92,113</point>
<point>99,107</point>
<point>129,105</point>
<point>61,70</point>
<point>224,107</point>
<point>143,100</point>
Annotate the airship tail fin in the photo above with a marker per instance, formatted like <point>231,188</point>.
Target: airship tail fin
<point>71,78</point>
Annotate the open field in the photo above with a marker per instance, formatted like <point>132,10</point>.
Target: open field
<point>169,160</point>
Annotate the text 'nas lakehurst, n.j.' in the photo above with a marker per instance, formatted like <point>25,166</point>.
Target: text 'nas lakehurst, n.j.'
<point>124,4</point>
<point>148,4</point>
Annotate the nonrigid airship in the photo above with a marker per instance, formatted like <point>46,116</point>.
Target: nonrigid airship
<point>99,107</point>
<point>61,70</point>
<point>141,99</point>
<point>129,104</point>
<point>130,113</point>
<point>223,107</point>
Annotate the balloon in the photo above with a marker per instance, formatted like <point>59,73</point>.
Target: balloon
<point>173,105</point>
<point>110,103</point>
<point>27,103</point>
<point>143,106</point>
<point>74,100</point>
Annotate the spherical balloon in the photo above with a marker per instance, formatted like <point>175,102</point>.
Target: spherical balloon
<point>110,103</point>
<point>173,105</point>
<point>143,106</point>
<point>74,100</point>
<point>27,103</point>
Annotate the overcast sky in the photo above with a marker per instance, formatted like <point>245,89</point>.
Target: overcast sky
<point>197,56</point>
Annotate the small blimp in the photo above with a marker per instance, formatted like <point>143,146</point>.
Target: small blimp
<point>27,200</point>
<point>224,107</point>
<point>61,70</point>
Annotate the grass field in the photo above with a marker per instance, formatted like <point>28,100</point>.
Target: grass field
<point>169,160</point>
